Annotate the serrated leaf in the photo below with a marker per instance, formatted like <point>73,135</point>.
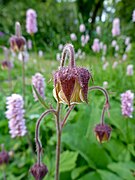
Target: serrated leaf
<point>68,161</point>
<point>106,175</point>
<point>76,172</point>
<point>91,176</point>
<point>123,169</point>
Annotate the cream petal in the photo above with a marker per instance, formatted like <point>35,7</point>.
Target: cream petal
<point>81,96</point>
<point>62,97</point>
<point>54,94</point>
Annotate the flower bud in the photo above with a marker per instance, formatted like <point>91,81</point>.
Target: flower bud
<point>38,171</point>
<point>71,85</point>
<point>6,65</point>
<point>17,42</point>
<point>4,157</point>
<point>103,132</point>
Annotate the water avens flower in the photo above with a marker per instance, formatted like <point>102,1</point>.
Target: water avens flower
<point>96,45</point>
<point>15,114</point>
<point>31,21</point>
<point>130,70</point>
<point>116,27</point>
<point>71,82</point>
<point>127,103</point>
<point>103,132</point>
<point>39,171</point>
<point>38,82</point>
<point>17,42</point>
<point>82,28</point>
<point>4,157</point>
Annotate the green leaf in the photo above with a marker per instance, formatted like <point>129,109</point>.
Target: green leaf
<point>91,176</point>
<point>106,175</point>
<point>123,169</point>
<point>68,161</point>
<point>76,172</point>
<point>41,100</point>
<point>91,151</point>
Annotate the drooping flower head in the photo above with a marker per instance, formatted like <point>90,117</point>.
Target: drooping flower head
<point>4,157</point>
<point>17,42</point>
<point>96,45</point>
<point>71,82</point>
<point>6,64</point>
<point>31,21</point>
<point>84,39</point>
<point>127,103</point>
<point>116,27</point>
<point>15,114</point>
<point>39,171</point>
<point>103,132</point>
<point>38,82</point>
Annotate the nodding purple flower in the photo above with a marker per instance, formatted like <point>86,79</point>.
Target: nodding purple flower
<point>38,82</point>
<point>96,45</point>
<point>127,41</point>
<point>82,28</point>
<point>71,82</point>
<point>4,157</point>
<point>127,103</point>
<point>31,21</point>
<point>116,27</point>
<point>114,43</point>
<point>17,42</point>
<point>103,132</point>
<point>133,16</point>
<point>15,114</point>
<point>39,171</point>
<point>6,64</point>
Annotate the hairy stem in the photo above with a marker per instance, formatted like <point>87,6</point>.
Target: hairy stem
<point>107,104</point>
<point>37,130</point>
<point>65,119</point>
<point>70,50</point>
<point>23,77</point>
<point>58,146</point>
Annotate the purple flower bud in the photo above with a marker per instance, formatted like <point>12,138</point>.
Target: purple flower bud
<point>39,171</point>
<point>38,82</point>
<point>17,42</point>
<point>127,103</point>
<point>31,21</point>
<point>103,132</point>
<point>15,114</point>
<point>6,64</point>
<point>4,157</point>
